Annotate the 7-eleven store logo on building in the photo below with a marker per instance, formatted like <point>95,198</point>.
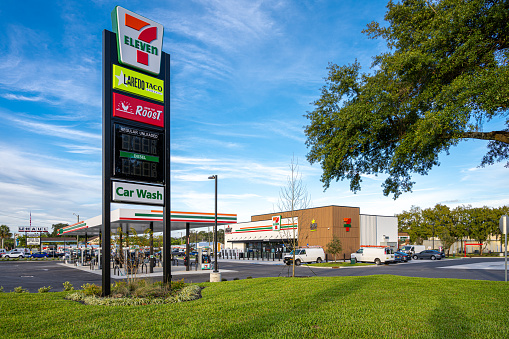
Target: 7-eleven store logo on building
<point>139,40</point>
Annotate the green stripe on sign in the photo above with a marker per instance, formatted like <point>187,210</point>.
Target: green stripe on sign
<point>152,158</point>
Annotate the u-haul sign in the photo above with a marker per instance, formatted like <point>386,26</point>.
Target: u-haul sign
<point>139,40</point>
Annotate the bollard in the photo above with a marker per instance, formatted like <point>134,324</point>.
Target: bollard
<point>215,276</point>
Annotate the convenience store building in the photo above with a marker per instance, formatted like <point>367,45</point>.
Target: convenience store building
<point>313,227</point>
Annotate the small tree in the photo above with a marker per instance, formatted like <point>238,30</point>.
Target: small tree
<point>4,233</point>
<point>334,247</point>
<point>294,197</point>
<point>447,240</point>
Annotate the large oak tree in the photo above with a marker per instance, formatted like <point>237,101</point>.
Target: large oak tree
<point>445,75</point>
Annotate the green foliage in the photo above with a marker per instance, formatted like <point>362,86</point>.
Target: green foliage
<point>334,247</point>
<point>446,74</point>
<point>68,286</point>
<point>188,293</point>
<point>1,289</point>
<point>5,233</point>
<point>91,289</point>
<point>451,225</point>
<point>20,289</point>
<point>177,284</point>
<point>44,289</point>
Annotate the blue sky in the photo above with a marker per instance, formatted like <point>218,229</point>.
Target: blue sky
<point>243,74</point>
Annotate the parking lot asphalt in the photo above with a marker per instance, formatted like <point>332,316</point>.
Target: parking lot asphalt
<point>35,274</point>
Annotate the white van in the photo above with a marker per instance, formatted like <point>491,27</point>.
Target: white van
<point>412,249</point>
<point>377,255</point>
<point>305,254</point>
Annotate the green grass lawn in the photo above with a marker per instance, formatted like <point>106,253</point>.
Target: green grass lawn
<point>380,306</point>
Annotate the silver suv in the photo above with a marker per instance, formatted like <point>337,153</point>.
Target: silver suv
<point>14,254</point>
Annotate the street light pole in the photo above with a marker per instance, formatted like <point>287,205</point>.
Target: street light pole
<point>215,225</point>
<point>77,236</point>
<point>433,227</point>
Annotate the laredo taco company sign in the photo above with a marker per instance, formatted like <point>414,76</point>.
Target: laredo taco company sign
<point>139,40</point>
<point>138,110</point>
<point>137,83</point>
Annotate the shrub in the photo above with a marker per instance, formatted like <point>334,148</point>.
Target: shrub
<point>1,289</point>
<point>235,278</point>
<point>177,285</point>
<point>91,289</point>
<point>68,286</point>
<point>44,289</point>
<point>120,288</point>
<point>250,277</point>
<point>20,289</point>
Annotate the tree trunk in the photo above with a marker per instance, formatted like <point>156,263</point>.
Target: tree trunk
<point>502,136</point>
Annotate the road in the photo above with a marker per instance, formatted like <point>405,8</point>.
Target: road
<point>35,274</point>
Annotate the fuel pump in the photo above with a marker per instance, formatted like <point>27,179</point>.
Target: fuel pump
<point>204,259</point>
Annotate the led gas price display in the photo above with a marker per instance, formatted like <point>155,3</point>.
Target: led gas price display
<point>139,154</point>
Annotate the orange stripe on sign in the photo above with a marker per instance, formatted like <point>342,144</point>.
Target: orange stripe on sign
<point>134,23</point>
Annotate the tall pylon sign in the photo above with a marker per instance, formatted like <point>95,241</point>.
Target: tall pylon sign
<point>136,124</point>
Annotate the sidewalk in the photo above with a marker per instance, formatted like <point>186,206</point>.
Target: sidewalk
<point>178,270</point>
<point>158,271</point>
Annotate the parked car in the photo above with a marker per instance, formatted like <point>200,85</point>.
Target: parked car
<point>39,255</point>
<point>427,254</point>
<point>14,254</point>
<point>402,256</point>
<point>53,254</point>
<point>442,254</point>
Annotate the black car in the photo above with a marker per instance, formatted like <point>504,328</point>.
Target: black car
<point>428,254</point>
<point>402,256</point>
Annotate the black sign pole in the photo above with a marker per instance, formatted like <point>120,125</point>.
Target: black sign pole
<point>167,209</point>
<point>108,42</point>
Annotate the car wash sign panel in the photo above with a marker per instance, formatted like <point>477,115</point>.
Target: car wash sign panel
<point>137,193</point>
<point>139,40</point>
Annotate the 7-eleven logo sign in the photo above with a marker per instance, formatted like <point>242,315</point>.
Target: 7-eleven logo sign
<point>276,223</point>
<point>139,40</point>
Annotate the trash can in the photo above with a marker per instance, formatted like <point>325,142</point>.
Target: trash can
<point>353,261</point>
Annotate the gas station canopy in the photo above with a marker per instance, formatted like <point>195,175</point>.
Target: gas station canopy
<point>140,220</point>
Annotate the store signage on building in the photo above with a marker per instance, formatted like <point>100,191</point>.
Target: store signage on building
<point>137,193</point>
<point>138,110</point>
<point>313,226</point>
<point>139,40</point>
<point>276,223</point>
<point>137,83</point>
<point>347,223</point>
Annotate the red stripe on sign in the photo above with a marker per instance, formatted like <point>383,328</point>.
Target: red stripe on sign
<point>142,57</point>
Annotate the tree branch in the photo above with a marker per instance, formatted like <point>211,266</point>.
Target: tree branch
<point>502,136</point>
